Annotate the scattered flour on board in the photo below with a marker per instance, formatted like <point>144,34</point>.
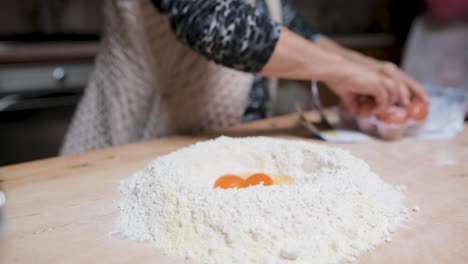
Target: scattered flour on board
<point>335,209</point>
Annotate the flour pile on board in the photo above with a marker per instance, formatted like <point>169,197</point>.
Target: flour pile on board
<point>335,208</point>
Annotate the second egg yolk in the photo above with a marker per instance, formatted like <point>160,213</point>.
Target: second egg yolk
<point>258,178</point>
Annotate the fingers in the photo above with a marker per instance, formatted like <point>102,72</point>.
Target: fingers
<point>408,86</point>
<point>417,89</point>
<point>392,89</point>
<point>383,95</point>
<point>386,84</point>
<point>403,95</point>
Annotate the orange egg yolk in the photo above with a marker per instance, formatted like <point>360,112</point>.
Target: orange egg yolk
<point>259,178</point>
<point>245,180</point>
<point>229,181</point>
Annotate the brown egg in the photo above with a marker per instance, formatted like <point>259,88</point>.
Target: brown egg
<point>393,115</point>
<point>417,110</point>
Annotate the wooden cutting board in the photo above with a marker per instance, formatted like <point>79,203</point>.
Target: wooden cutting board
<point>62,210</point>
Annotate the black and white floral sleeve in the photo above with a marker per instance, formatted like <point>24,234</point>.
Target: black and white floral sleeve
<point>229,32</point>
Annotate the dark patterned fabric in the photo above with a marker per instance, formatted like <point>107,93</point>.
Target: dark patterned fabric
<point>256,102</point>
<point>229,32</point>
<point>234,34</point>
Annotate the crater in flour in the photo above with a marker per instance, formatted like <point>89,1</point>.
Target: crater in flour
<point>335,208</point>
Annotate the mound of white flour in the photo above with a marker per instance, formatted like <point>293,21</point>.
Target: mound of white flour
<point>336,207</point>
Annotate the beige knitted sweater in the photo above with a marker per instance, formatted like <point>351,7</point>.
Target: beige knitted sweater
<point>146,84</point>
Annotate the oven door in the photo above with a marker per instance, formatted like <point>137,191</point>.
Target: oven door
<point>36,105</point>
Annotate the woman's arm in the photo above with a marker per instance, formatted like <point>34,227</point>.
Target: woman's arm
<point>229,32</point>
<point>234,34</point>
<point>407,87</point>
<point>297,58</point>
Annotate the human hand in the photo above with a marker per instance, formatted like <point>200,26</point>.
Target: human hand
<point>354,81</point>
<point>351,75</point>
<point>408,88</point>
<point>400,87</point>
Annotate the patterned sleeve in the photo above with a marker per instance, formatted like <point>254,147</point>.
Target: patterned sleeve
<point>229,32</point>
<point>296,23</point>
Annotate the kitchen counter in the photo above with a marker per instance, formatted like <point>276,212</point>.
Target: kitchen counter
<point>62,210</point>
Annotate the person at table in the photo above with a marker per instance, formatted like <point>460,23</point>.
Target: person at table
<point>181,66</point>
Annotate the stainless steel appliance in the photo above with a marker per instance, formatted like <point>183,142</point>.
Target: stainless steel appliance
<point>47,49</point>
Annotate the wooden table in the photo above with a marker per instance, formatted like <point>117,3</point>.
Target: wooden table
<point>62,210</point>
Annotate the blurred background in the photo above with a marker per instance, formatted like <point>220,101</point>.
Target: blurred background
<point>47,48</point>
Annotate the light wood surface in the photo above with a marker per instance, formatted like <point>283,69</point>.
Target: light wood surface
<point>62,210</point>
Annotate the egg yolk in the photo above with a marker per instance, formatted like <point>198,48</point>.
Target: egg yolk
<point>247,179</point>
<point>393,115</point>
<point>258,178</point>
<point>230,181</point>
<point>417,110</point>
